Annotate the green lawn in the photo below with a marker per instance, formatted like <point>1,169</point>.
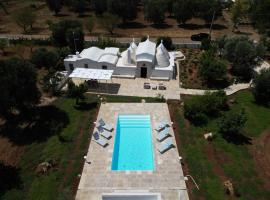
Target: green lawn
<point>65,147</point>
<point>236,161</point>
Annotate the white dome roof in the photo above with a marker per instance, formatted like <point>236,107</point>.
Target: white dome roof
<point>162,56</point>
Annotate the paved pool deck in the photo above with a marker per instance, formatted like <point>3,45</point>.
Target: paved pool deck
<point>97,177</point>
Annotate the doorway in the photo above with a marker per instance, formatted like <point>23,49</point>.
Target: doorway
<point>143,72</point>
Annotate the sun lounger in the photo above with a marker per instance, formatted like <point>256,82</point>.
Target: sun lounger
<point>166,145</point>
<point>105,134</point>
<point>163,134</point>
<point>101,141</point>
<point>104,125</point>
<point>154,87</point>
<point>161,126</point>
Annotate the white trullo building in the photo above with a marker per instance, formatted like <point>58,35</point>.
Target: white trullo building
<point>145,61</point>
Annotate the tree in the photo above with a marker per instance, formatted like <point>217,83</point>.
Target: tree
<point>126,10</point>
<point>259,11</point>
<point>54,5</point>
<point>25,18</point>
<point>75,38</point>
<point>109,22</point>
<point>243,54</point>
<point>154,11</point>
<point>90,24</point>
<point>232,122</point>
<point>170,6</point>
<point>261,90</point>
<point>3,45</point>
<point>79,6</point>
<point>76,92</point>
<point>212,70</point>
<point>18,86</point>
<point>44,58</point>
<point>182,10</point>
<point>60,29</point>
<point>167,42</point>
<point>100,6</point>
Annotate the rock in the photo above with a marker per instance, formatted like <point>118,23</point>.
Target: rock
<point>208,136</point>
<point>229,187</point>
<point>43,168</point>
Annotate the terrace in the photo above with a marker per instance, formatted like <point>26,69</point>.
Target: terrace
<point>98,181</point>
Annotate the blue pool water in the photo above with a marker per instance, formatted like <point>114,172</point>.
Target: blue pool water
<point>133,143</point>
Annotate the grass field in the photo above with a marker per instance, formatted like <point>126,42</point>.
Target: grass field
<point>212,163</point>
<point>66,147</point>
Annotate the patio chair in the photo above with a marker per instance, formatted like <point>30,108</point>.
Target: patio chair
<point>161,126</point>
<point>146,86</point>
<point>163,134</point>
<point>166,145</point>
<point>105,126</point>
<point>99,140</point>
<point>161,86</point>
<point>105,134</point>
<point>154,87</point>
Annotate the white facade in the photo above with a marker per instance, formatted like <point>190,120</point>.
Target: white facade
<point>145,60</point>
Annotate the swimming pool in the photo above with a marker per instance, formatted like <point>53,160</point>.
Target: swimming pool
<point>133,143</point>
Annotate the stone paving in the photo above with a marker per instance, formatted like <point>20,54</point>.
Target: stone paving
<point>97,177</point>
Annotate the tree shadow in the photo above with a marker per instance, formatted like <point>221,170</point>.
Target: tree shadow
<point>62,15</point>
<point>36,125</point>
<point>9,178</point>
<point>237,139</point>
<point>161,26</point>
<point>243,33</point>
<point>191,26</point>
<point>216,26</point>
<point>131,25</point>
<point>86,106</point>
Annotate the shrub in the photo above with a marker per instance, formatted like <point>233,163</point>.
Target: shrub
<point>198,108</point>
<point>232,122</point>
<point>261,90</point>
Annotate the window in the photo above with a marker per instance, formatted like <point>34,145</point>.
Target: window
<point>104,67</point>
<point>85,65</point>
<point>71,67</point>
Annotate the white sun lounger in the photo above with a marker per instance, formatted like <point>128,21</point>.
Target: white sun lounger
<point>161,126</point>
<point>163,134</point>
<point>166,145</point>
<point>108,127</point>
<point>101,141</point>
<point>105,134</point>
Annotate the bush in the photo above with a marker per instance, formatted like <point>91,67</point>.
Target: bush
<point>198,108</point>
<point>232,122</point>
<point>261,90</point>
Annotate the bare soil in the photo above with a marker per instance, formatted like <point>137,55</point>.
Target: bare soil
<point>137,28</point>
<point>261,154</point>
<point>10,154</point>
